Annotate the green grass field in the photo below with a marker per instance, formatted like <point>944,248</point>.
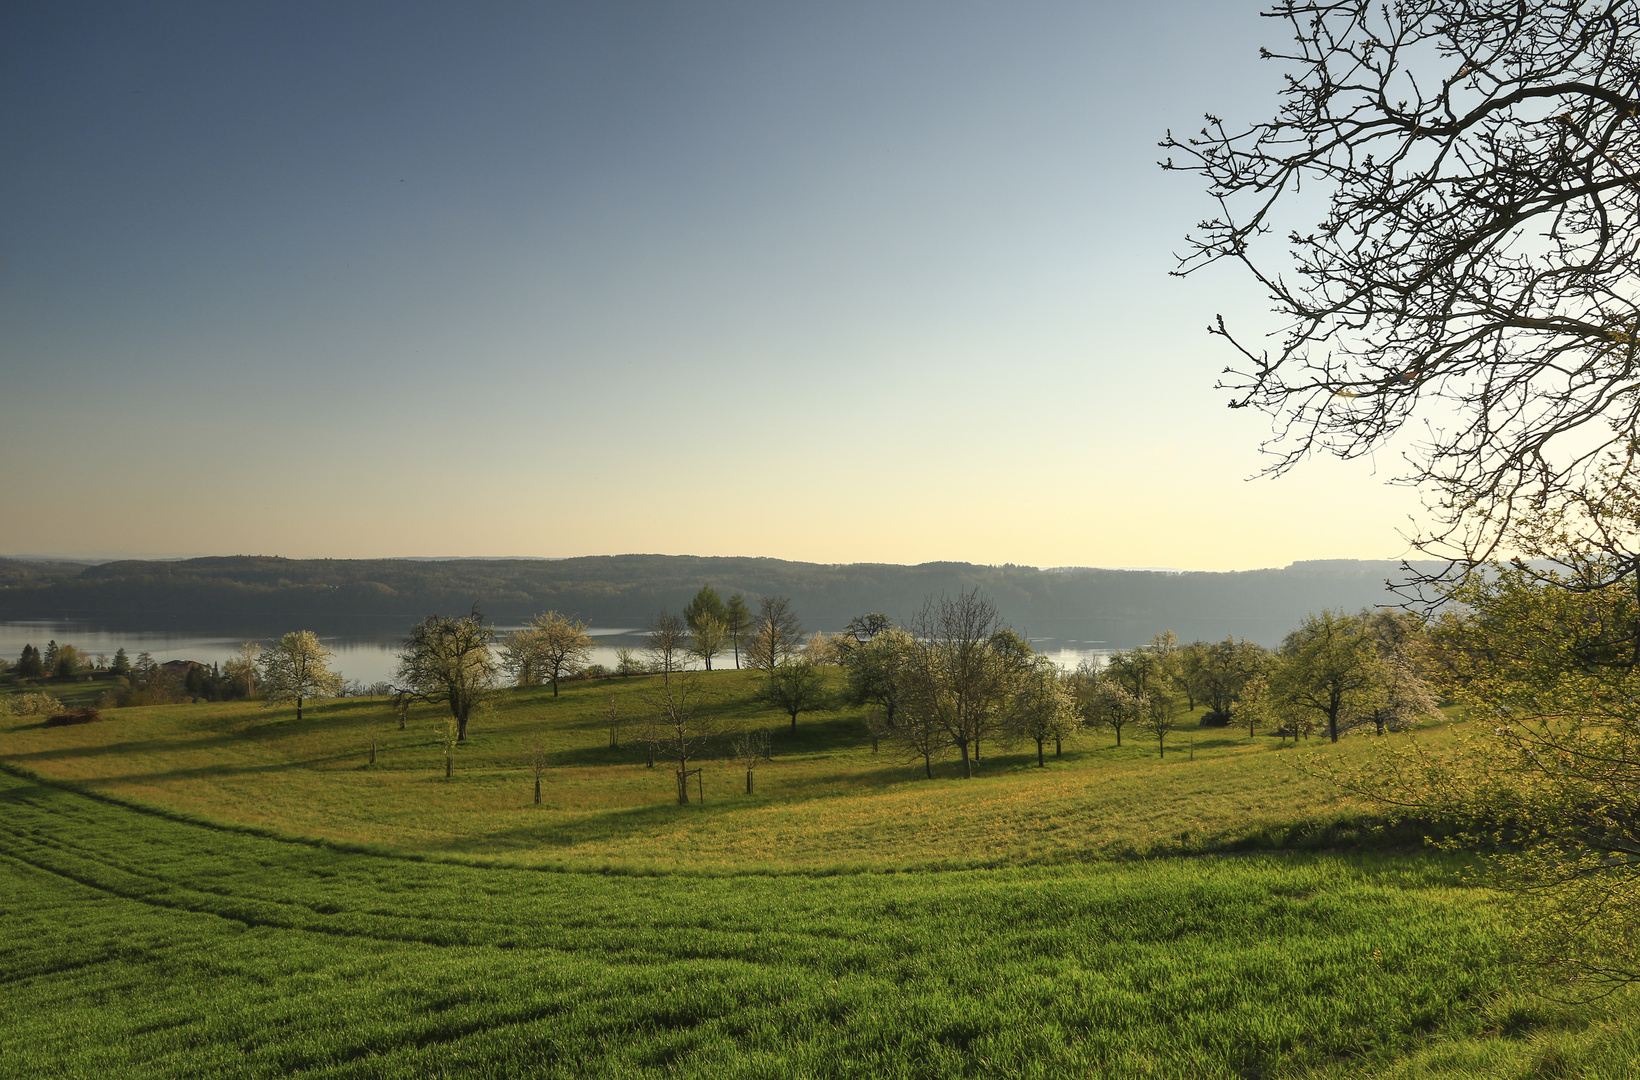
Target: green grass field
<point>218,890</point>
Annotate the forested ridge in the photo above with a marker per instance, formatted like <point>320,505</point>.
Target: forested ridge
<point>1119,607</point>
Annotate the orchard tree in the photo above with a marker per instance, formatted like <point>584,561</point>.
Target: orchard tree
<point>863,629</point>
<point>957,680</point>
<point>241,666</point>
<point>707,635</point>
<point>1403,643</point>
<point>737,625</point>
<point>1330,669</point>
<point>550,648</point>
<point>448,661</point>
<point>1104,701</point>
<point>776,634</point>
<point>676,727</point>
<point>795,685</point>
<point>874,670</point>
<point>294,668</point>
<point>1043,707</point>
<point>1143,673</point>
<point>920,736</point>
<point>667,643</point>
<point>1157,713</point>
<point>538,762</point>
<point>1218,673</point>
<point>750,749</point>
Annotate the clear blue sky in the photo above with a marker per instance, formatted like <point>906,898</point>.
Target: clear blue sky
<point>836,281</point>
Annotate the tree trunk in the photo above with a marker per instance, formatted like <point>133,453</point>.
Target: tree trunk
<point>683,788</point>
<point>1332,725</point>
<point>1161,745</point>
<point>794,723</point>
<point>372,751</point>
<point>461,729</point>
<point>650,763</point>
<point>1058,747</point>
<point>1040,762</point>
<point>537,791</point>
<point>555,686</point>
<point>1249,727</point>
<point>1118,736</point>
<point>928,766</point>
<point>298,710</point>
<point>748,781</point>
<point>967,766</point>
<point>449,763</point>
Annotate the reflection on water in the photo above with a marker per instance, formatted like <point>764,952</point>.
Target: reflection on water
<point>366,654</point>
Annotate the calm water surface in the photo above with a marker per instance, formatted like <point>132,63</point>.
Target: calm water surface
<point>366,656</point>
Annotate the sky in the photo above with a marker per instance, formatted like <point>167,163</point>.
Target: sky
<point>842,282</point>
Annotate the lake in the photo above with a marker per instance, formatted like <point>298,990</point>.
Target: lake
<point>366,653</point>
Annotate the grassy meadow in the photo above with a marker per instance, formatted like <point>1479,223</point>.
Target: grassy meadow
<point>216,889</point>
<point>825,801</point>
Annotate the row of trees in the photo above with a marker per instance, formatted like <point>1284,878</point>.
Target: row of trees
<point>1336,672</point>
<point>64,662</point>
<point>955,679</point>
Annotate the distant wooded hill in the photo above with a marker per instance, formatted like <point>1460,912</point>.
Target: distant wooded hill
<point>1119,608</point>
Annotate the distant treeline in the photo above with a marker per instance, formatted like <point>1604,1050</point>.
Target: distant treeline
<point>1118,608</point>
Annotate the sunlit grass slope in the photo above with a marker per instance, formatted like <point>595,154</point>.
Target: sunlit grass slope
<point>219,890</point>
<point>141,945</point>
<point>825,800</point>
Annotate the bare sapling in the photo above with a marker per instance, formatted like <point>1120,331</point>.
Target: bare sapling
<point>750,748</point>
<point>448,736</point>
<point>539,761</point>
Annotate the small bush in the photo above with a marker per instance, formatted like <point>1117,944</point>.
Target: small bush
<point>595,671</point>
<point>33,705</point>
<point>1214,719</point>
<point>80,714</point>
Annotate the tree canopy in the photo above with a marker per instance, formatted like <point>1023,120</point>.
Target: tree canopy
<point>448,660</point>
<point>550,648</point>
<point>1476,165</point>
<point>294,668</point>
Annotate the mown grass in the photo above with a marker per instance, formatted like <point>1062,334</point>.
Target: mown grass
<point>824,801</point>
<point>218,890</point>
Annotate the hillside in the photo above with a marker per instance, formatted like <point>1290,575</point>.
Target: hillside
<point>220,890</point>
<point>1116,607</point>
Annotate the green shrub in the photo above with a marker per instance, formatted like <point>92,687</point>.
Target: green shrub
<point>33,705</point>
